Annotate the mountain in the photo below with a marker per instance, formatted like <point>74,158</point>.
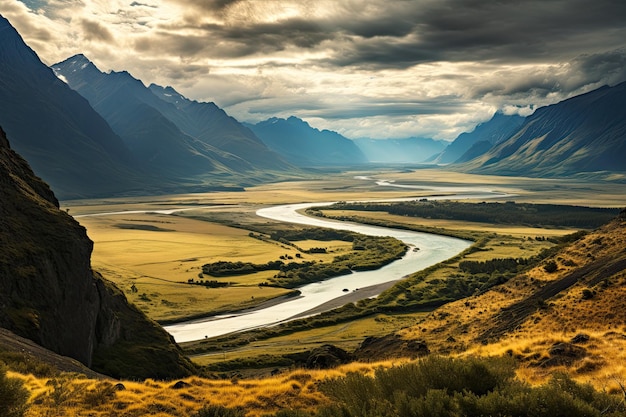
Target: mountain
<point>305,146</point>
<point>400,150</point>
<point>63,138</point>
<point>162,128</point>
<point>584,134</point>
<point>50,295</point>
<point>210,124</point>
<point>482,138</point>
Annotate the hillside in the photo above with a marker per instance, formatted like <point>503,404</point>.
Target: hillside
<point>64,139</point>
<point>407,150</point>
<point>570,318</point>
<point>50,295</point>
<point>583,135</point>
<point>305,146</point>
<point>472,144</point>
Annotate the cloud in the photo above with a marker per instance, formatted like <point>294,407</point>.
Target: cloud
<point>366,67</point>
<point>93,30</point>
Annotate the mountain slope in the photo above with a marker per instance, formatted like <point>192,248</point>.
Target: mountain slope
<point>399,150</point>
<point>583,134</point>
<point>162,128</point>
<point>485,135</point>
<point>131,110</point>
<point>571,317</point>
<point>50,295</point>
<point>303,145</point>
<point>64,139</point>
<point>211,125</point>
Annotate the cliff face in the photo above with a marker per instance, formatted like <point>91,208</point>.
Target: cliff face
<point>49,294</point>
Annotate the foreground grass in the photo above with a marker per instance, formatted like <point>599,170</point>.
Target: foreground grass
<point>431,386</point>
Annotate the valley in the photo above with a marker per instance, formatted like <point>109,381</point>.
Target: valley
<point>151,254</point>
<point>312,209</point>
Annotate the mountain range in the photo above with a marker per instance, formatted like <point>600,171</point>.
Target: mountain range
<point>583,135</point>
<point>56,130</point>
<point>184,138</point>
<point>304,145</point>
<point>108,134</point>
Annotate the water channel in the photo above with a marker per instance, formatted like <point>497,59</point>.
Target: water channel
<point>425,250</point>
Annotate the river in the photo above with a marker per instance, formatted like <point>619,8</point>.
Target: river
<point>427,249</point>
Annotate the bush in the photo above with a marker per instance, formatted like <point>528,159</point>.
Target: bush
<point>219,411</point>
<point>550,267</point>
<point>438,386</point>
<point>13,395</point>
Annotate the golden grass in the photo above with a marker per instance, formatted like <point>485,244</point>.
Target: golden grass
<point>159,262</point>
<point>347,336</point>
<point>70,395</point>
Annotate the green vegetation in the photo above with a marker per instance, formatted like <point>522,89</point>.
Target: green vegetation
<point>443,386</point>
<point>13,395</point>
<point>537,215</point>
<point>368,252</point>
<point>420,292</point>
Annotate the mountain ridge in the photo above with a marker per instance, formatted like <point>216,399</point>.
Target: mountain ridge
<point>185,138</point>
<point>582,135</point>
<point>480,139</point>
<point>65,140</point>
<point>304,145</point>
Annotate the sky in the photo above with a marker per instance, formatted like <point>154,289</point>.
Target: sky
<point>364,68</point>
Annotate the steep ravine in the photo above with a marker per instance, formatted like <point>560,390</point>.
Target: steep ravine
<point>50,295</point>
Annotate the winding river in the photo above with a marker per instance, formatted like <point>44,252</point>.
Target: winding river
<point>428,249</point>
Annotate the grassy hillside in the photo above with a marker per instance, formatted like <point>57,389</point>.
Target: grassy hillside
<point>565,314</point>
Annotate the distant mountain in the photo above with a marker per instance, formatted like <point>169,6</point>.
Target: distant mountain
<point>306,146</point>
<point>164,129</point>
<point>400,150</point>
<point>211,125</point>
<point>584,134</point>
<point>50,295</point>
<point>67,143</point>
<point>482,138</point>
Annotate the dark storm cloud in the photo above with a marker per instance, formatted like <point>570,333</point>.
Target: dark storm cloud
<point>512,31</point>
<point>610,66</point>
<point>210,6</point>
<point>137,4</point>
<point>581,74</point>
<point>401,34</point>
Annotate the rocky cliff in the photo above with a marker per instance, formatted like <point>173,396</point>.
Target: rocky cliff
<point>49,294</point>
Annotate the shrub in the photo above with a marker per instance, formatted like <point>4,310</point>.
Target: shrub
<point>550,267</point>
<point>439,386</point>
<point>13,395</point>
<point>212,410</point>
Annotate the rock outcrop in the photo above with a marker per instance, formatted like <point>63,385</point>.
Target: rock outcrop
<point>50,295</point>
